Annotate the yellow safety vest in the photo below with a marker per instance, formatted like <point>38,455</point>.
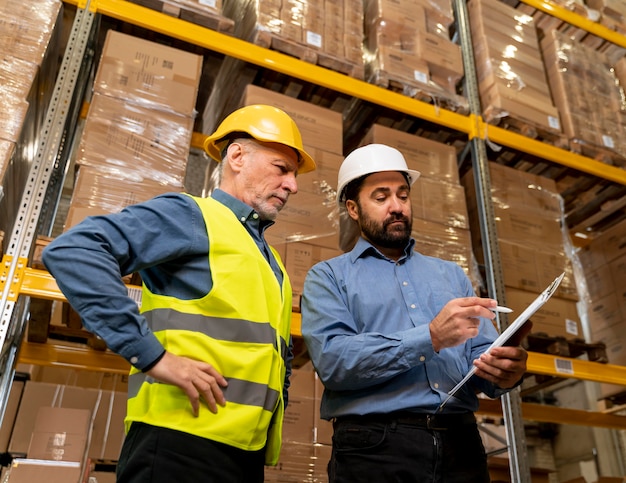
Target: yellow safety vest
<point>241,327</point>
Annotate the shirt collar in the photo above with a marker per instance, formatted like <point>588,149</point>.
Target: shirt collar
<point>243,212</point>
<point>363,247</point>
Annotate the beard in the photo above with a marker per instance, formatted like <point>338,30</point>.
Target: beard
<point>385,234</point>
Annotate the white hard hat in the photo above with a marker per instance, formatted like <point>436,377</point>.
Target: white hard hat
<point>372,158</point>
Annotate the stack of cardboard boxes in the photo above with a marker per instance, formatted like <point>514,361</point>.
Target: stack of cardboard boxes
<point>511,75</point>
<point>408,42</point>
<point>28,62</point>
<point>604,265</point>
<point>60,421</point>
<point>586,92</point>
<point>316,31</point>
<point>136,137</point>
<point>307,439</point>
<point>533,246</point>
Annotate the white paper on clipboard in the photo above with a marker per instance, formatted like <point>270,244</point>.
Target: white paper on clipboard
<point>511,329</point>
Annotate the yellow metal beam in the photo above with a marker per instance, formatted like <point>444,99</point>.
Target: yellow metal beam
<point>567,367</point>
<point>75,356</point>
<point>578,21</point>
<point>549,152</point>
<point>276,61</point>
<point>559,415</point>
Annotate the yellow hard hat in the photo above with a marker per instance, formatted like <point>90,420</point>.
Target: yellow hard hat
<point>263,123</point>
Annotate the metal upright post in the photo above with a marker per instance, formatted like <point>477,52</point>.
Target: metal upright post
<point>511,403</point>
<point>57,129</point>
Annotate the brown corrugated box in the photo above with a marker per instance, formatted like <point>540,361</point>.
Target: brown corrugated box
<point>531,269</point>
<point>31,471</point>
<point>399,65</point>
<point>558,317</point>
<point>148,73</point>
<point>299,258</point>
<point>99,402</point>
<point>97,192</point>
<point>10,413</point>
<point>319,126</point>
<point>60,434</point>
<point>441,202</point>
<point>135,142</point>
<point>431,158</point>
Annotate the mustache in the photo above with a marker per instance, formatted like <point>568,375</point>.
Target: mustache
<point>395,218</point>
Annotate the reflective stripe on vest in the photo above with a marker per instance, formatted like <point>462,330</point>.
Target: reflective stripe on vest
<point>235,330</point>
<point>238,391</point>
<point>241,328</point>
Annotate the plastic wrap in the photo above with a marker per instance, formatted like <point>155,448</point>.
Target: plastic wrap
<point>149,74</point>
<point>600,273</point>
<point>98,192</point>
<point>207,13</point>
<point>408,48</point>
<point>322,32</point>
<point>134,142</point>
<point>587,93</point>
<point>511,75</point>
<point>26,27</point>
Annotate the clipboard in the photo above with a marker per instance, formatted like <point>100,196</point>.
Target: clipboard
<point>511,330</point>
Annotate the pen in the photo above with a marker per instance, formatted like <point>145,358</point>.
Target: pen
<point>504,310</point>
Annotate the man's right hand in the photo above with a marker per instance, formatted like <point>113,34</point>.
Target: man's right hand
<point>459,320</point>
<point>198,380</point>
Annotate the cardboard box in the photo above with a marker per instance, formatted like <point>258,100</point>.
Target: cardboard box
<point>512,187</point>
<point>558,317</point>
<point>300,257</point>
<point>613,241</point>
<point>389,63</point>
<point>440,202</point>
<point>530,269</point>
<point>319,126</point>
<point>604,312</point>
<point>30,471</point>
<point>148,73</point>
<point>108,410</point>
<point>431,158</point>
<point>298,420</point>
<point>134,142</point>
<point>60,434</point>
<point>10,413</point>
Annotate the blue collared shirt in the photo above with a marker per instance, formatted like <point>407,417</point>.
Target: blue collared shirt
<point>165,240</point>
<point>365,322</point>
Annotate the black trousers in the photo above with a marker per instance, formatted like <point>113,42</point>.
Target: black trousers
<point>407,449</point>
<point>158,455</point>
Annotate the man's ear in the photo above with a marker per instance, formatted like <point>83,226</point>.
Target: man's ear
<point>353,209</point>
<point>234,156</point>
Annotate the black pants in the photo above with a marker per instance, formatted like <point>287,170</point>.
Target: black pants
<point>399,450</point>
<point>157,455</point>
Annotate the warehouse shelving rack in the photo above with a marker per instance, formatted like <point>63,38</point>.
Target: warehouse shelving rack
<point>19,282</point>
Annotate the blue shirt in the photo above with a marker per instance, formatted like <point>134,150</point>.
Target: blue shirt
<point>165,240</point>
<point>365,322</point>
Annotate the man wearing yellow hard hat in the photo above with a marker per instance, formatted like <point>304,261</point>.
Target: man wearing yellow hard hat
<point>210,347</point>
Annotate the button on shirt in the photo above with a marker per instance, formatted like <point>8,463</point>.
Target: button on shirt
<point>365,321</point>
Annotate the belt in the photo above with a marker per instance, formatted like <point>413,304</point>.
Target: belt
<point>439,422</point>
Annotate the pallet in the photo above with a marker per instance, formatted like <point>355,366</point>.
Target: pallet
<point>504,119</point>
<point>308,54</point>
<point>429,93</point>
<point>599,153</point>
<point>561,346</point>
<point>196,14</point>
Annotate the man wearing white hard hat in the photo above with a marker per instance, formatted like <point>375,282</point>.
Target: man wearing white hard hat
<point>390,331</point>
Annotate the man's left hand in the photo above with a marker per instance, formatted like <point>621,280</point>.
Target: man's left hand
<point>503,366</point>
